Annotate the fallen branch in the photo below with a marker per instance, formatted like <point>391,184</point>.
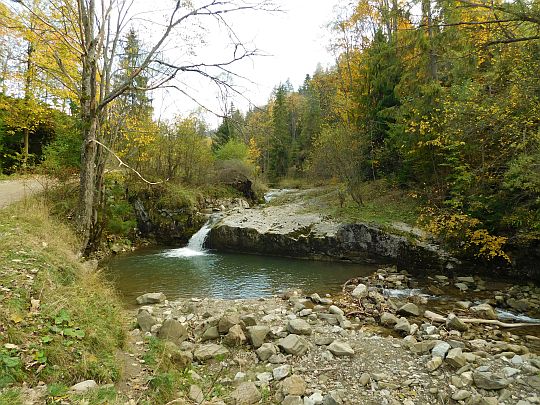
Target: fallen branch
<point>441,319</point>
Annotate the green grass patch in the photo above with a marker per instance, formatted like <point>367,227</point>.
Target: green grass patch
<point>60,321</point>
<point>382,204</point>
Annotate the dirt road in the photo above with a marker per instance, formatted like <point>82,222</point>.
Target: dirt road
<point>16,190</point>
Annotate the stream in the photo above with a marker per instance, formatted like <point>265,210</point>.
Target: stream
<point>192,271</point>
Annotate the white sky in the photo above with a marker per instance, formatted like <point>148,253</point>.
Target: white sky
<point>295,41</point>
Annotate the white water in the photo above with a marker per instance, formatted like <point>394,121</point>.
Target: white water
<point>195,243</point>
<point>509,316</point>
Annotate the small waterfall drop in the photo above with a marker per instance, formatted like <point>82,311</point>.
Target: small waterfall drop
<point>195,243</point>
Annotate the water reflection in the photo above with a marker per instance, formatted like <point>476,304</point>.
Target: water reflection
<point>228,276</point>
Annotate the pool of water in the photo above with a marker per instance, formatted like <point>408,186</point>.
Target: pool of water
<point>186,272</point>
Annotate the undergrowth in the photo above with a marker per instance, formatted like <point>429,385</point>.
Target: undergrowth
<point>60,322</point>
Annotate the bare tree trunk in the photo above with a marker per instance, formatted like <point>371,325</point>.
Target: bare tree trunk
<point>89,119</point>
<point>428,22</point>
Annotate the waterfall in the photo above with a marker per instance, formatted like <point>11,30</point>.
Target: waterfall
<point>195,243</point>
<point>197,240</point>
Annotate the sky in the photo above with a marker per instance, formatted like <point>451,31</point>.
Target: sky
<point>293,42</point>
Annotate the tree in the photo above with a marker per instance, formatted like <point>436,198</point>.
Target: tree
<point>98,28</point>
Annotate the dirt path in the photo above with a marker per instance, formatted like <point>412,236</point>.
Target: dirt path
<point>16,190</point>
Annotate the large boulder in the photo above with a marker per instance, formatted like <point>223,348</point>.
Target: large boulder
<point>257,335</point>
<point>210,351</point>
<point>246,393</point>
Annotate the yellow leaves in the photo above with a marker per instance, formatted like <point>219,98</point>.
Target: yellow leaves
<point>466,232</point>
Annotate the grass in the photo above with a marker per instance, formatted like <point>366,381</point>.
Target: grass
<point>60,321</point>
<point>382,204</point>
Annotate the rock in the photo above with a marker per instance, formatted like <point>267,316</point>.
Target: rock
<point>292,400</point>
<point>235,337</point>
<point>173,331</point>
<point>323,340</point>
<point>360,291</point>
<point>84,386</point>
<point>226,322</point>
<point>257,335</point>
<point>210,334</point>
<point>454,323</point>
<point>403,326</point>
<point>266,351</point>
<point>145,321</point>
<point>339,349</point>
<point>463,304</point>
<point>293,385</point>
<point>265,377</point>
<point>466,279</point>
<point>440,350</point>
<point>484,311</point>
<point>281,372</point>
<point>461,286</point>
<point>196,394</point>
<point>364,379</point>
<point>315,399</point>
<point>180,358</point>
<point>246,394</point>
<point>150,298</point>
<point>249,320</point>
<point>423,347</point>
<point>509,371</point>
<point>388,319</point>
<point>409,309</point>
<point>336,310</point>
<point>434,363</point>
<point>209,351</point>
<point>489,381</point>
<point>333,398</point>
<point>522,305</point>
<point>299,327</point>
<point>293,344</point>
<point>455,358</point>
<point>461,395</point>
<point>316,298</point>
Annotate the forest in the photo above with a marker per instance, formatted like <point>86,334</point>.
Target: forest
<point>437,98</point>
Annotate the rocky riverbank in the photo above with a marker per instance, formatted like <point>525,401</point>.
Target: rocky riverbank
<point>292,230</point>
<point>361,347</point>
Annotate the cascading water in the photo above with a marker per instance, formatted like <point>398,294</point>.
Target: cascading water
<point>195,243</point>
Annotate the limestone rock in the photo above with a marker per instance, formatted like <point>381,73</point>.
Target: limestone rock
<point>281,372</point>
<point>456,358</point>
<point>299,327</point>
<point>434,363</point>
<point>336,310</point>
<point>454,323</point>
<point>338,348</point>
<point>461,395</point>
<point>246,394</point>
<point>489,381</point>
<point>332,398</point>
<point>409,309</point>
<point>173,331</point>
<point>266,351</point>
<point>150,298</point>
<point>257,335</point>
<point>210,334</point>
<point>84,386</point>
<point>440,350</point>
<point>484,311</point>
<point>403,326</point>
<point>235,337</point>
<point>360,291</point>
<point>293,344</point>
<point>293,385</point>
<point>209,351</point>
<point>196,394</point>
<point>389,319</point>
<point>226,322</point>
<point>292,400</point>
<point>145,321</point>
